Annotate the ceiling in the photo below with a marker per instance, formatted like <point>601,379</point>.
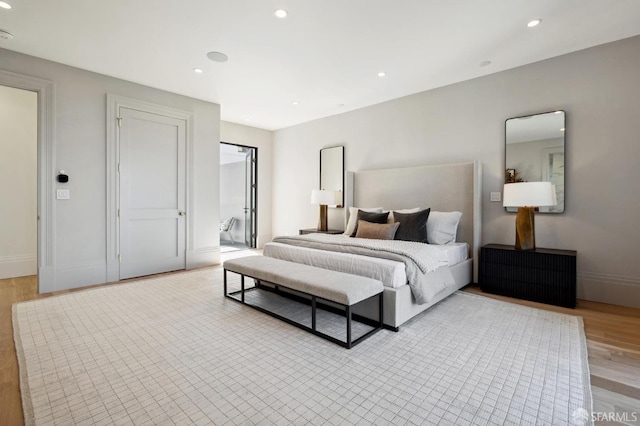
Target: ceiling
<point>326,55</point>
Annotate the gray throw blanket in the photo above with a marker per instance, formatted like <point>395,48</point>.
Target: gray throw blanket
<point>420,260</point>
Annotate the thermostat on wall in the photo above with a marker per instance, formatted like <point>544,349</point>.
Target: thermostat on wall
<point>63,177</point>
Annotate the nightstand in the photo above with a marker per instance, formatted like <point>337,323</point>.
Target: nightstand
<point>313,230</point>
<point>540,275</point>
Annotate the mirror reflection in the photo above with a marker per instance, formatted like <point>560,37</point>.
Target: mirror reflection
<point>534,152</point>
<point>332,171</point>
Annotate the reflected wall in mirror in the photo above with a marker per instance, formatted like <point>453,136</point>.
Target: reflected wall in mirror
<point>534,152</point>
<point>332,171</point>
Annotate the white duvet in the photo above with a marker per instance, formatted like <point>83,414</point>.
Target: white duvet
<point>424,265</point>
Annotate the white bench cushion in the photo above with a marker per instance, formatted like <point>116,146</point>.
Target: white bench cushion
<point>338,287</point>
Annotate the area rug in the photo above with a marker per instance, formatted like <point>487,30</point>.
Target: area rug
<point>173,350</point>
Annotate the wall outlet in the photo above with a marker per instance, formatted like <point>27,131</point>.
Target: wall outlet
<point>496,196</point>
<point>63,194</point>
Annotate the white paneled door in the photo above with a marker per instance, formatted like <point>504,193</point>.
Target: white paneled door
<point>152,197</point>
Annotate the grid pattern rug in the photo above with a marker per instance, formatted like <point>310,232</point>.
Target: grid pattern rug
<point>173,350</point>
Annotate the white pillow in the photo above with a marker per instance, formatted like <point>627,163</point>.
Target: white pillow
<point>442,227</point>
<point>353,217</point>
<point>391,219</point>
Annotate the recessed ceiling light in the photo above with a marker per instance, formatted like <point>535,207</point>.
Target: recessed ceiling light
<point>485,63</point>
<point>5,5</point>
<point>534,23</point>
<point>217,57</point>
<point>558,112</point>
<point>280,13</point>
<point>382,74</point>
<point>198,70</point>
<point>6,35</point>
<point>294,103</point>
<point>247,119</point>
<point>340,105</point>
<point>562,130</point>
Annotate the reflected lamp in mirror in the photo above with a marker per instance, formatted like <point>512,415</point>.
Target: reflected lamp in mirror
<point>535,151</point>
<point>332,172</point>
<point>324,198</point>
<point>527,196</point>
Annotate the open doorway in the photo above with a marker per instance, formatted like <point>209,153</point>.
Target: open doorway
<point>238,197</point>
<point>19,172</point>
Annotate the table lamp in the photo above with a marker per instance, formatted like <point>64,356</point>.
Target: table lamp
<point>323,198</point>
<point>527,196</point>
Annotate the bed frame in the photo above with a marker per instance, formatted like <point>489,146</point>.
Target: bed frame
<point>444,188</point>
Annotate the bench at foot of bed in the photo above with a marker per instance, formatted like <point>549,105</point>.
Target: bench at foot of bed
<point>322,289</point>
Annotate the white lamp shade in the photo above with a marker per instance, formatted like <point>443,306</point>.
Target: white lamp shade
<point>322,196</point>
<point>529,194</point>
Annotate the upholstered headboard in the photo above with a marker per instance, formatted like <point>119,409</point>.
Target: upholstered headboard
<point>443,188</point>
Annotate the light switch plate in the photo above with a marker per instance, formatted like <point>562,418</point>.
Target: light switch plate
<point>63,194</point>
<point>495,196</point>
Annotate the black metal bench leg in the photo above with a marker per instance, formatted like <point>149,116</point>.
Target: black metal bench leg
<point>313,313</point>
<point>242,287</point>
<point>225,281</point>
<point>348,327</point>
<point>381,312</point>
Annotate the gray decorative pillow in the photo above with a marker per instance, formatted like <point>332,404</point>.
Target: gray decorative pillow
<point>376,231</point>
<point>370,217</point>
<point>413,226</point>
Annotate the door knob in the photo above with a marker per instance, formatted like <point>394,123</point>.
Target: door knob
<point>181,213</point>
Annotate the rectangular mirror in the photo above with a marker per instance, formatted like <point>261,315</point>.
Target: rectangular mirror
<point>332,171</point>
<point>534,152</point>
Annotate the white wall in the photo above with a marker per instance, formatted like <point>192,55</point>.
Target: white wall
<point>80,150</point>
<point>263,140</point>
<point>18,177</point>
<point>598,88</point>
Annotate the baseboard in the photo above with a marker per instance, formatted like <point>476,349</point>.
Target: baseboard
<point>18,266</point>
<point>200,257</point>
<point>613,289</point>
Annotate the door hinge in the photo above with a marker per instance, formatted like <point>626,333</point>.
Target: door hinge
<point>118,212</point>
<point>119,121</point>
<point>119,257</point>
<point>118,167</point>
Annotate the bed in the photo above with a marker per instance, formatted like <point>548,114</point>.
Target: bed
<point>407,292</point>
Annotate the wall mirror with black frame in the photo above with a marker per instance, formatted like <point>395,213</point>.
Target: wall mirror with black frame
<point>332,171</point>
<point>535,152</point>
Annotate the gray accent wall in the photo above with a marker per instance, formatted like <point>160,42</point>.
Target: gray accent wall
<point>599,88</point>
<point>80,149</point>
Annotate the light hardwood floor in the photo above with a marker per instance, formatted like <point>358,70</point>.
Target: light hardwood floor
<point>613,339</point>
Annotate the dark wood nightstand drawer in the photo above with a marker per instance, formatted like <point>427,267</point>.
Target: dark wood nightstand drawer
<point>541,275</point>
<point>313,230</point>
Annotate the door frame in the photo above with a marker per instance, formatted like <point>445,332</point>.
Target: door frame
<point>114,103</point>
<point>255,216</point>
<point>45,180</point>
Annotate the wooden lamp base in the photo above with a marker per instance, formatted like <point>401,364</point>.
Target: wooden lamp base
<point>525,229</point>
<point>322,222</point>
